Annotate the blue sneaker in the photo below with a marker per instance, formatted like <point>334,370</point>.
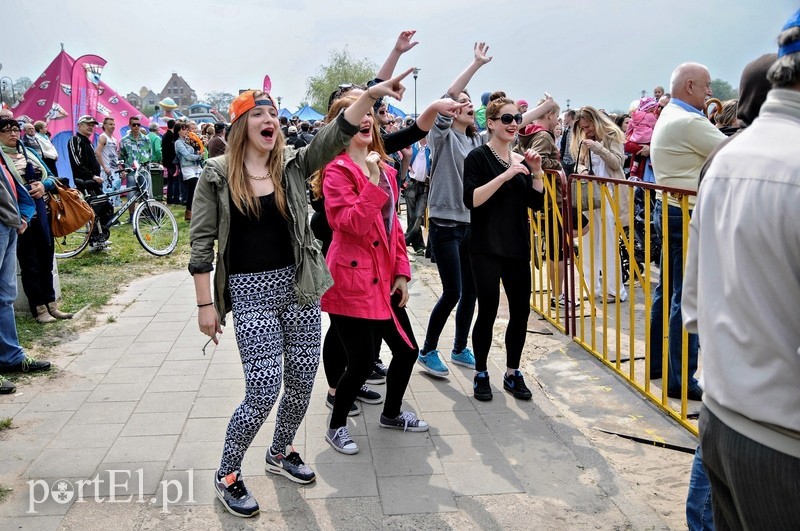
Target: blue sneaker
<point>432,364</point>
<point>465,358</point>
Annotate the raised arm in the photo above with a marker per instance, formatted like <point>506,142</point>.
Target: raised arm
<point>539,111</point>
<point>403,44</point>
<point>444,106</point>
<point>460,83</point>
<point>393,87</point>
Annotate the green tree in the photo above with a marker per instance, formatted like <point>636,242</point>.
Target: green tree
<point>723,90</point>
<point>342,68</point>
<point>221,101</point>
<point>12,92</point>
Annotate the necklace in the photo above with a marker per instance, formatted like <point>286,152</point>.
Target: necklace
<point>259,177</point>
<point>505,163</point>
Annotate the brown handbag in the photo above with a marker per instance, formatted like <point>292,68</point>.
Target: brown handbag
<point>69,211</point>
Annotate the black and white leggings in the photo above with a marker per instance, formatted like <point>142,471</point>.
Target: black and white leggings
<point>271,327</point>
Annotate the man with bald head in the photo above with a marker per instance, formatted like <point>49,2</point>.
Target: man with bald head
<point>682,140</point>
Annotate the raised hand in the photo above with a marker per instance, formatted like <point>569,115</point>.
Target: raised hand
<point>448,106</point>
<point>481,49</point>
<point>391,87</point>
<point>404,42</point>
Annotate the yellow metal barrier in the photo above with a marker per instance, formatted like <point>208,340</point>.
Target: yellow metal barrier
<point>547,271</point>
<point>617,331</point>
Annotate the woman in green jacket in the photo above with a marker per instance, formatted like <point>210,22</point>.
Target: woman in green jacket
<point>270,273</point>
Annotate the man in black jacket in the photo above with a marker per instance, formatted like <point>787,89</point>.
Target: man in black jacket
<point>86,174</point>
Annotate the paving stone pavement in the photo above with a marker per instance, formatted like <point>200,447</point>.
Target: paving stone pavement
<point>137,405</point>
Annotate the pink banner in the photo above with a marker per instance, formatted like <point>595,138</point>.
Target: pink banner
<point>86,86</point>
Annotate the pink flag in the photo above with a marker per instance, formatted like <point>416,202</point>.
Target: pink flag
<point>86,86</point>
<point>267,84</point>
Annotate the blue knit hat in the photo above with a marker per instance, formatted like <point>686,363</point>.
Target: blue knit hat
<point>791,47</point>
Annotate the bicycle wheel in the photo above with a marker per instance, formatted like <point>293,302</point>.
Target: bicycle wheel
<point>155,227</point>
<point>72,244</point>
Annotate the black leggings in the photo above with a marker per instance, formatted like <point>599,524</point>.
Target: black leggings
<point>359,338</point>
<point>488,270</point>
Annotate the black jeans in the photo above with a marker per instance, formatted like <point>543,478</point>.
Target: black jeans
<point>190,186</point>
<point>449,246</point>
<point>516,276</point>
<point>35,254</point>
<point>359,337</point>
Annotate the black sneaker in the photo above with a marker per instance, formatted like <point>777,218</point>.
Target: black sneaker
<point>291,466</point>
<point>378,376</point>
<point>368,396</point>
<point>515,384</point>
<point>355,409</point>
<point>6,387</point>
<point>233,494</point>
<point>481,389</point>
<point>27,365</point>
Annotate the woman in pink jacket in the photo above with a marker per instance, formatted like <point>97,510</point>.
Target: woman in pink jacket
<point>370,269</point>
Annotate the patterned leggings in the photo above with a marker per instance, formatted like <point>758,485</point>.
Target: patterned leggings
<point>269,325</point>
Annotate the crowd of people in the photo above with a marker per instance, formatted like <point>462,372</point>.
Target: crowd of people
<point>477,171</point>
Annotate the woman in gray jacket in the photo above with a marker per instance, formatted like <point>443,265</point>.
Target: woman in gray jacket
<point>269,271</point>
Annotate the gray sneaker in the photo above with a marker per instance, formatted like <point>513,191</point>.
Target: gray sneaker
<point>290,465</point>
<point>406,421</point>
<point>233,494</point>
<point>341,441</point>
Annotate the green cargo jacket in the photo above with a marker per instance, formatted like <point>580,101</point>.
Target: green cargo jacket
<point>211,217</point>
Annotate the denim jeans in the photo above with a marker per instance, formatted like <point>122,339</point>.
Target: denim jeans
<point>672,250</point>
<point>699,513</point>
<point>10,350</point>
<point>449,246</point>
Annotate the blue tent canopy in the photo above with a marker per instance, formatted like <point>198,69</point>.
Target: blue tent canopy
<point>285,112</point>
<point>394,111</point>
<point>308,114</point>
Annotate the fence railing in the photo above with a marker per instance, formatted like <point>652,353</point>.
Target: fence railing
<point>609,280</point>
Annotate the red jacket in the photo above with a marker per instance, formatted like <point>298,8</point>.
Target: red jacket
<point>363,260</point>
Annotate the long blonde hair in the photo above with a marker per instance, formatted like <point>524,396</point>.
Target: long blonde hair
<point>606,132</point>
<point>376,145</point>
<point>241,190</point>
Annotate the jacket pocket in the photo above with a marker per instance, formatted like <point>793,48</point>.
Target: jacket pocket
<point>355,276</point>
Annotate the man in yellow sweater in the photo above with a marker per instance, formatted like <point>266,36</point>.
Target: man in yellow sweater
<point>682,140</point>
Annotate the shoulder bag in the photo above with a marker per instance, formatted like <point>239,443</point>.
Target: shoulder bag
<point>587,201</point>
<point>69,211</point>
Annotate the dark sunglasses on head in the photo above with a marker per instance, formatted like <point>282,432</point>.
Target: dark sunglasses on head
<point>508,118</point>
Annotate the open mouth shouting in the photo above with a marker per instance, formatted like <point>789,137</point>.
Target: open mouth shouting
<point>268,133</point>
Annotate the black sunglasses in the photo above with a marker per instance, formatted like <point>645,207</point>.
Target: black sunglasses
<point>135,125</point>
<point>508,118</point>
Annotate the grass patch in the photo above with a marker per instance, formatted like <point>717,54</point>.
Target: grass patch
<point>4,492</point>
<point>5,423</point>
<point>92,278</point>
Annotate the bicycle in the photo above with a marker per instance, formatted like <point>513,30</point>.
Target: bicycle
<point>153,223</point>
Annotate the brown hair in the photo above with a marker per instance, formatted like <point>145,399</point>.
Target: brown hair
<point>338,106</point>
<point>241,191</point>
<point>726,117</point>
<point>496,102</point>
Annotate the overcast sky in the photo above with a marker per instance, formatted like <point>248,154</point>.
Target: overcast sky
<point>601,53</point>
